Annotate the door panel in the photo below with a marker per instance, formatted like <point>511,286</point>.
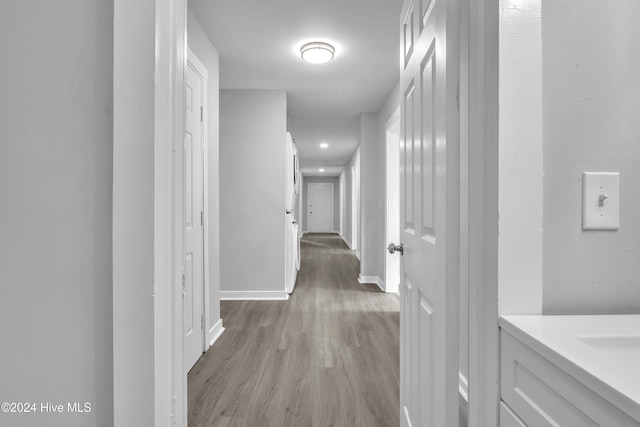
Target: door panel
<point>428,177</point>
<point>429,172</point>
<point>193,210</point>
<point>407,165</point>
<point>320,207</point>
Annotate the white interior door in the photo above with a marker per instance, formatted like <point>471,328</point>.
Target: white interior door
<point>429,170</point>
<point>193,287</point>
<point>320,207</point>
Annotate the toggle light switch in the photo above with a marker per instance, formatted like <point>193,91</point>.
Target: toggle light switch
<point>600,200</point>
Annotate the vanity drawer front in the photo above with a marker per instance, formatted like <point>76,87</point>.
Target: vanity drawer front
<point>541,394</point>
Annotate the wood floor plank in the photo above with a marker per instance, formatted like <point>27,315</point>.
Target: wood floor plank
<point>329,356</point>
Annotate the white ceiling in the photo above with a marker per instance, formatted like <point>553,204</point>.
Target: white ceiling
<point>259,42</point>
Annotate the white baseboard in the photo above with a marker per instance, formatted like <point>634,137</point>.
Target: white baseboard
<point>254,295</point>
<point>372,279</point>
<point>346,241</point>
<point>215,332</point>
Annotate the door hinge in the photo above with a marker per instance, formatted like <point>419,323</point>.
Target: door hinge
<point>202,114</point>
<point>202,322</point>
<point>201,218</point>
<point>184,286</point>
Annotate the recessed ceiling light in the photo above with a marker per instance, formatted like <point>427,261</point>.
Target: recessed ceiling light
<point>324,145</point>
<point>317,52</point>
<point>320,170</point>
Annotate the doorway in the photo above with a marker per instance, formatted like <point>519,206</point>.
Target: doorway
<point>392,224</point>
<point>320,208</point>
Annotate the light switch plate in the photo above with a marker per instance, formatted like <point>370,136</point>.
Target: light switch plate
<point>600,200</point>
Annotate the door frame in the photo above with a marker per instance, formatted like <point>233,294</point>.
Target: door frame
<point>394,120</point>
<point>160,27</point>
<point>331,210</point>
<point>482,120</point>
<point>150,385</point>
<point>342,194</point>
<point>201,70</point>
<point>355,207</point>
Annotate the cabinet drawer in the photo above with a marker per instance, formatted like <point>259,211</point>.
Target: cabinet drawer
<point>541,394</point>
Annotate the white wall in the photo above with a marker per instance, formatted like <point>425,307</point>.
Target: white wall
<point>591,109</point>
<point>520,158</point>
<point>252,157</point>
<point>56,127</point>
<point>302,217</point>
<point>200,44</point>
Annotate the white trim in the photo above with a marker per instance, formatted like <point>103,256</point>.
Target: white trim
<point>463,387</point>
<point>347,242</point>
<point>148,78</point>
<point>393,119</point>
<point>372,279</point>
<point>484,357</point>
<point>254,295</point>
<point>321,184</point>
<point>215,332</point>
<point>341,188</point>
<point>176,26</point>
<point>201,70</point>
<point>355,202</point>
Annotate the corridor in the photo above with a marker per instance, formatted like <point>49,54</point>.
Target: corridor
<point>329,356</point>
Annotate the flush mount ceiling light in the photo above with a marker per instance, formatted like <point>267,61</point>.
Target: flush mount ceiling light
<point>320,170</point>
<point>324,145</point>
<point>317,52</point>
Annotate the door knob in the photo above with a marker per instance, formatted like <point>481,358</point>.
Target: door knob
<point>393,248</point>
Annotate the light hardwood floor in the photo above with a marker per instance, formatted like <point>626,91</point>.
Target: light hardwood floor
<point>329,356</point>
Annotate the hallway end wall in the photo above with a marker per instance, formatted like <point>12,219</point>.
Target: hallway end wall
<point>56,177</point>
<point>252,206</point>
<point>201,45</point>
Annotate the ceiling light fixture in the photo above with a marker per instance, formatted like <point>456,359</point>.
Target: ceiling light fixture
<point>320,170</point>
<point>317,52</point>
<point>324,145</point>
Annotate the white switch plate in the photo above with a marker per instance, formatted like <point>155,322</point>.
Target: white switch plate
<point>595,185</point>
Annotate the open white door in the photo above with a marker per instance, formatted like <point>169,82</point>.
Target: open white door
<point>193,281</point>
<point>429,215</point>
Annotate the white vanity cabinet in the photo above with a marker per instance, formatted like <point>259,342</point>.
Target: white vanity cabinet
<point>551,376</point>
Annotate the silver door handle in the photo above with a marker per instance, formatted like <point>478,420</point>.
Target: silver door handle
<point>393,248</point>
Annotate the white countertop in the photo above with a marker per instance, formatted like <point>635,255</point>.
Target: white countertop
<point>602,352</point>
